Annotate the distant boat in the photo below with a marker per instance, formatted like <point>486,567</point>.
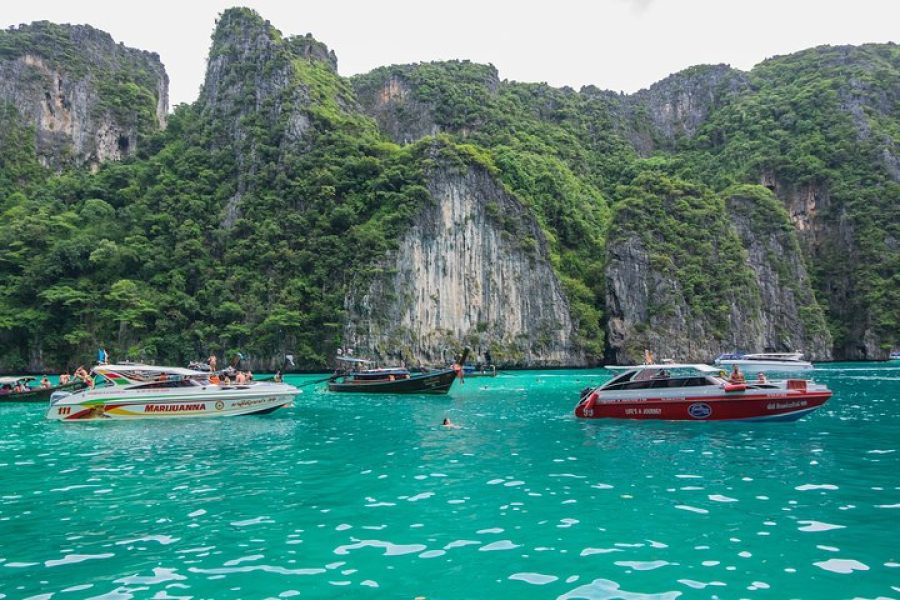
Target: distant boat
<point>895,355</point>
<point>34,394</point>
<point>479,371</point>
<point>391,380</point>
<point>772,361</point>
<point>685,392</point>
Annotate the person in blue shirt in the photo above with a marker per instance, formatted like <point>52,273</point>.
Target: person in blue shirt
<point>102,356</point>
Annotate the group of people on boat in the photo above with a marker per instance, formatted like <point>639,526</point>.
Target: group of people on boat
<point>22,386</point>
<point>737,376</point>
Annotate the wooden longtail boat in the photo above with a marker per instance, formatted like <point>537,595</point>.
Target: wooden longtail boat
<point>393,380</point>
<point>34,394</point>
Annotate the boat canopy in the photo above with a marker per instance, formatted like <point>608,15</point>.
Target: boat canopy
<point>665,366</point>
<point>132,373</point>
<point>784,356</point>
<point>15,380</point>
<point>350,359</point>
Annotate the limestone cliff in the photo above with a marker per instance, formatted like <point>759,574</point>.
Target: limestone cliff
<point>410,102</point>
<point>748,289</point>
<point>675,108</point>
<point>263,90</point>
<point>88,99</point>
<point>473,270</point>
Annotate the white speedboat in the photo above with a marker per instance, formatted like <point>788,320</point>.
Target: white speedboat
<point>774,361</point>
<point>135,391</point>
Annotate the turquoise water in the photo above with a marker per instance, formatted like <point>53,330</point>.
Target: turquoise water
<point>346,496</point>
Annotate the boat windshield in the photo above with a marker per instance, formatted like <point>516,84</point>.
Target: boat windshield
<point>656,378</point>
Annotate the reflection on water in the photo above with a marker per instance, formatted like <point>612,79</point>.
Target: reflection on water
<point>354,495</point>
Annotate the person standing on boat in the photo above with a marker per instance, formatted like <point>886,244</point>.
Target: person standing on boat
<point>212,362</point>
<point>102,356</point>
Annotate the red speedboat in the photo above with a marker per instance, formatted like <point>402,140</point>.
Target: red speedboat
<point>672,392</point>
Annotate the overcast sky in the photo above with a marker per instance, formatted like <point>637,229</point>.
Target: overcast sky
<point>621,45</point>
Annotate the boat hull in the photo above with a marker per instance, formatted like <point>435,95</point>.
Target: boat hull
<point>748,406</point>
<point>437,382</point>
<point>165,406</point>
<point>40,394</point>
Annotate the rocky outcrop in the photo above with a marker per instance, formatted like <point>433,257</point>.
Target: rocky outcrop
<point>88,99</point>
<point>398,111</point>
<point>676,107</point>
<point>791,318</point>
<point>829,238</point>
<point>255,93</point>
<point>648,308</point>
<point>772,310</point>
<point>410,102</point>
<point>473,270</point>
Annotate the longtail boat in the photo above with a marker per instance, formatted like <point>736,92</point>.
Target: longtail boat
<point>391,380</point>
<point>34,394</point>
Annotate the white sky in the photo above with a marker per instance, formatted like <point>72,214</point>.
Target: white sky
<point>614,44</point>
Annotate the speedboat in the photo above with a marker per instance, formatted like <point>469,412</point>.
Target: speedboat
<point>136,391</point>
<point>694,392</point>
<point>895,355</point>
<point>774,361</point>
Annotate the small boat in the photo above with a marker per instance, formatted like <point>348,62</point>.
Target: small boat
<point>694,392</point>
<point>479,371</point>
<point>895,355</point>
<point>136,391</point>
<point>391,380</point>
<point>774,361</point>
<point>33,394</point>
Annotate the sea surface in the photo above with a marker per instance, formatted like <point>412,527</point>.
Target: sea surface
<point>370,497</point>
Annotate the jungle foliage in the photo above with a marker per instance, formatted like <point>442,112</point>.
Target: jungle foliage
<point>240,226</point>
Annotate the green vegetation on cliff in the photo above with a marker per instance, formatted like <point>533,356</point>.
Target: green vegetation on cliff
<point>241,227</point>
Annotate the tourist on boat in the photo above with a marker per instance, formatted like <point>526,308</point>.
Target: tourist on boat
<point>277,378</point>
<point>45,383</point>
<point>459,371</point>
<point>214,379</point>
<point>248,376</point>
<point>648,357</point>
<point>212,361</point>
<point>102,356</point>
<point>6,389</point>
<point>64,378</point>
<point>227,380</point>
<point>240,378</point>
<point>736,375</point>
<point>761,378</point>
